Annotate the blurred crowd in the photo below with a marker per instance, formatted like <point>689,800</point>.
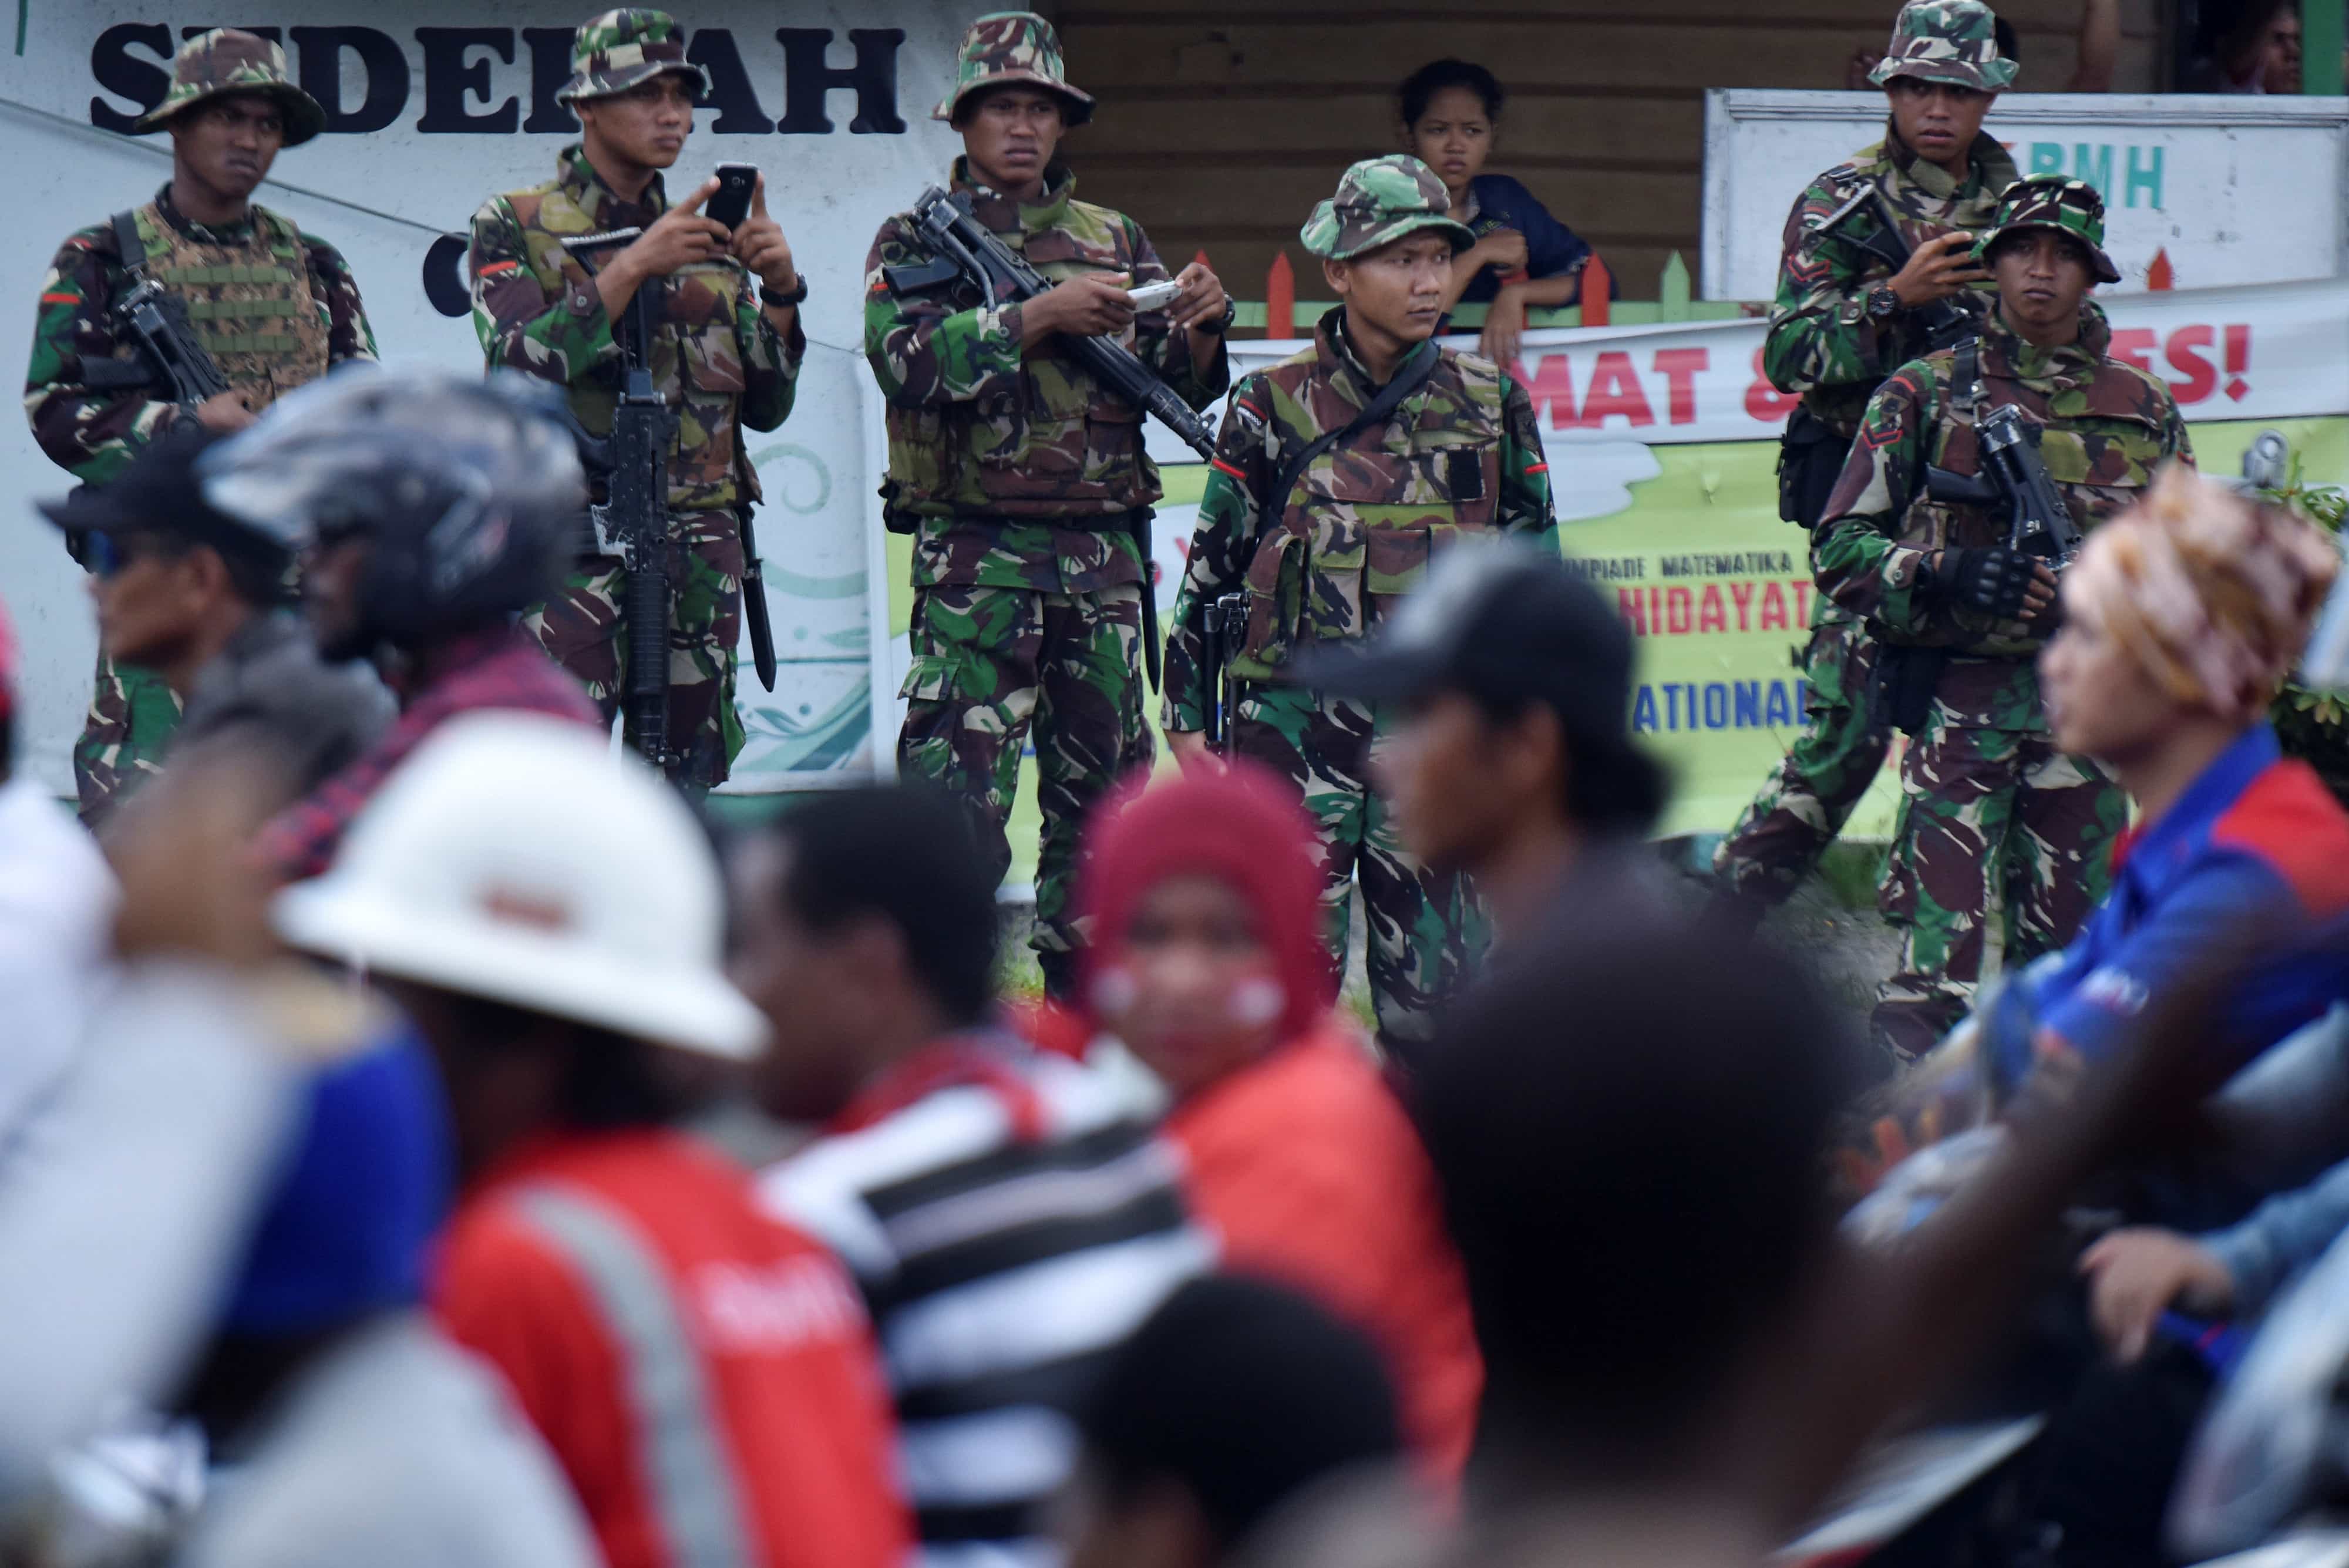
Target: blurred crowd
<point>428,1134</point>
<point>406,1211</point>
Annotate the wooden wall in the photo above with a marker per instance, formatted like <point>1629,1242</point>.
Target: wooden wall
<point>1221,125</point>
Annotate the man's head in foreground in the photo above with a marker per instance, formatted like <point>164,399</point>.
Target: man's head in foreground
<point>865,929</point>
<point>1515,677</point>
<point>1629,1124</point>
<point>1231,1400</point>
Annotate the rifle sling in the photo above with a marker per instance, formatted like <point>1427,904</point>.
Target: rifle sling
<point>1409,378</point>
<point>131,244</point>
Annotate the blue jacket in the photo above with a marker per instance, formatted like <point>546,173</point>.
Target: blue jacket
<point>1551,248</point>
<point>2256,838</point>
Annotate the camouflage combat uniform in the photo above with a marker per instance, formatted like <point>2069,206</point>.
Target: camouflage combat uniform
<point>1994,820</point>
<point>1019,476</point>
<point>720,362</point>
<point>275,308</point>
<point>1825,345</point>
<point>1462,454</point>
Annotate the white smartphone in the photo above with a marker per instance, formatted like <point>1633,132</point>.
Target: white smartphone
<point>1154,295</point>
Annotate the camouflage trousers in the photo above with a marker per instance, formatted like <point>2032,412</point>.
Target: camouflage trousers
<point>1996,825</point>
<point>584,629</point>
<point>1424,929</point>
<point>990,666</point>
<point>131,716</point>
<point>1804,805</point>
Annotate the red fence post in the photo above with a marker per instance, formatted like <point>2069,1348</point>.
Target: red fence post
<point>1279,299</point>
<point>1596,284</point>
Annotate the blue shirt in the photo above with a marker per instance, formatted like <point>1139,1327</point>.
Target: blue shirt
<point>1552,249</point>
<point>2256,838</point>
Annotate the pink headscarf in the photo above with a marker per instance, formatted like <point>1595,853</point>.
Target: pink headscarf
<point>2211,592</point>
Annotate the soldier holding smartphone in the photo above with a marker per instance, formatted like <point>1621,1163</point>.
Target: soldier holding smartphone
<point>726,355</point>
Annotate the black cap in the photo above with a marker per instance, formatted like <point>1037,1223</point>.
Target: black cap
<point>1501,621</point>
<point>160,492</point>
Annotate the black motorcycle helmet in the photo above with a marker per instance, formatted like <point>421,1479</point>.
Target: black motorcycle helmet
<point>470,490</point>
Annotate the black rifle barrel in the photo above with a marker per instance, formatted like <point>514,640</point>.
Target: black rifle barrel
<point>1002,275</point>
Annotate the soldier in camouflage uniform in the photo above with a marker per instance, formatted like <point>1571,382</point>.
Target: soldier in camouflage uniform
<point>724,355</point>
<point>1845,317</point>
<point>1329,556</point>
<point>273,306</point>
<point>1994,823</point>
<point>1019,477</point>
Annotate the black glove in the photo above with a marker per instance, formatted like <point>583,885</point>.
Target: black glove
<point>1993,579</point>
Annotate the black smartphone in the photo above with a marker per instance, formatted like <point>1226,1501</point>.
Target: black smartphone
<point>730,203</point>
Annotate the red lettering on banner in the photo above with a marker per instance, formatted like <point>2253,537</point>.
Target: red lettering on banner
<point>1679,368</point>
<point>1679,604</point>
<point>2238,359</point>
<point>1764,402</point>
<point>1713,615</point>
<point>1633,609</point>
<point>2134,345</point>
<point>2184,349</point>
<point>1801,588</point>
<point>1773,607</point>
<point>1615,389</point>
<point>1552,386</point>
<point>1741,595</point>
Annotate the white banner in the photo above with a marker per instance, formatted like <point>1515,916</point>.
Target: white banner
<point>432,106</point>
<point>2274,352</point>
<point>2227,190</point>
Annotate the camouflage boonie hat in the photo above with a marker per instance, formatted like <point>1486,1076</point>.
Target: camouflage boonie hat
<point>614,51</point>
<point>1379,200</point>
<point>1005,47</point>
<point>1953,41</point>
<point>225,60</point>
<point>2053,202</point>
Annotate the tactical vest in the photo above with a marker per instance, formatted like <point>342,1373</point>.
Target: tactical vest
<point>696,358</point>
<point>2100,441</point>
<point>1053,443</point>
<point>251,304</point>
<point>1358,528</point>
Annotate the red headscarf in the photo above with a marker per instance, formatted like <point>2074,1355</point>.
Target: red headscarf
<point>1241,823</point>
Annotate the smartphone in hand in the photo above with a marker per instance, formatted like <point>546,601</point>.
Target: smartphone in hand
<point>730,203</point>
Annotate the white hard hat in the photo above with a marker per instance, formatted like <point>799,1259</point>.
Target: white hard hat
<point>514,857</point>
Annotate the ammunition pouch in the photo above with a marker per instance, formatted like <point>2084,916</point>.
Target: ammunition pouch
<point>1810,459</point>
<point>1906,681</point>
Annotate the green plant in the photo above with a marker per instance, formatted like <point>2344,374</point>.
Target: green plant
<point>2314,725</point>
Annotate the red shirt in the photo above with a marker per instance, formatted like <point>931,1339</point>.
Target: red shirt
<point>1309,1173</point>
<point>499,668</point>
<point>696,1364</point>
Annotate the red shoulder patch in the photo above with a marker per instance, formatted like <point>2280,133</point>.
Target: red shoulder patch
<point>2289,819</point>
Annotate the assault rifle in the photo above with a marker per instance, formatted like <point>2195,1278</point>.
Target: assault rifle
<point>631,525</point>
<point>2015,480</point>
<point>156,321</point>
<point>1225,619</point>
<point>1943,321</point>
<point>961,247</point>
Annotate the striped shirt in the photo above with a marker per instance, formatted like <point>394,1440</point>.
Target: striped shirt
<point>1009,1221</point>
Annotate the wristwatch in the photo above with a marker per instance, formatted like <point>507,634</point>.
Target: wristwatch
<point>1882,303</point>
<point>1221,324</point>
<point>796,296</point>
